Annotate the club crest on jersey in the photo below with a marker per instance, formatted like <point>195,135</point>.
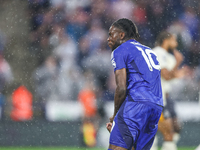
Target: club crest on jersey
<point>113,63</point>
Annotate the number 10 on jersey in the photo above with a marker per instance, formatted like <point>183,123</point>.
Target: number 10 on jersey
<point>147,54</point>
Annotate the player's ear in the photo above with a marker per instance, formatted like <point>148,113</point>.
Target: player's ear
<point>122,35</point>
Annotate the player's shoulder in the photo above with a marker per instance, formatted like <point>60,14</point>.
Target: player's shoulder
<point>159,49</point>
<point>122,49</point>
<point>129,47</point>
<point>160,52</point>
<point>139,45</point>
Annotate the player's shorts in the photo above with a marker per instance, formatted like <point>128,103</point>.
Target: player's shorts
<point>135,125</point>
<point>170,106</point>
<point>168,110</point>
<point>165,114</point>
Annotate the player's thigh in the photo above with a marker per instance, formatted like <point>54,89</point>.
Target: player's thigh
<point>148,131</point>
<point>171,108</point>
<point>176,125</point>
<point>120,136</point>
<point>166,128</point>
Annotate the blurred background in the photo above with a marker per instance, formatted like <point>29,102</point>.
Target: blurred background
<point>56,80</point>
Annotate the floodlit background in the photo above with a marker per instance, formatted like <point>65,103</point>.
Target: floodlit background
<point>55,63</point>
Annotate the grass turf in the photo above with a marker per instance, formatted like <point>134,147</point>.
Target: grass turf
<point>68,148</point>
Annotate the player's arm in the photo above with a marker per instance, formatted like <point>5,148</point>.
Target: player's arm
<point>168,75</point>
<point>175,72</point>
<point>120,92</point>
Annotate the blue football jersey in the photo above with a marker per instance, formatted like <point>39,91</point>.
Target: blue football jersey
<point>143,71</point>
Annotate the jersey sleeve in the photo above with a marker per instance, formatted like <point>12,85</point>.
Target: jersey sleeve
<point>118,59</point>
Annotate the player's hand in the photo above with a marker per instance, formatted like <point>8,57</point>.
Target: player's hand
<point>109,126</point>
<point>182,72</point>
<point>179,57</point>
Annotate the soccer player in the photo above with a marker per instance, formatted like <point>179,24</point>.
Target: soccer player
<point>170,60</point>
<point>138,99</point>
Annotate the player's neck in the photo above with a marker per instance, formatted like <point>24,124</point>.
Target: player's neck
<point>164,46</point>
<point>125,40</point>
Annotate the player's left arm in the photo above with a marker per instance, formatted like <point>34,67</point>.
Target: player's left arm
<point>120,92</point>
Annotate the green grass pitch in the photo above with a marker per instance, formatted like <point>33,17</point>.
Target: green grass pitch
<point>67,148</point>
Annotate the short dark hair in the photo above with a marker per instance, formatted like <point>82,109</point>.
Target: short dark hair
<point>128,27</point>
<point>161,37</point>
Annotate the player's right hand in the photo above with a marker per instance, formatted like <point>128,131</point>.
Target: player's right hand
<point>179,56</point>
<point>181,72</point>
<point>109,126</point>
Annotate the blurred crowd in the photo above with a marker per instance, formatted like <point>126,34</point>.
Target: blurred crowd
<point>69,38</point>
<point>6,76</point>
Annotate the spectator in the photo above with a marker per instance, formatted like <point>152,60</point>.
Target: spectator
<point>87,98</point>
<point>189,18</point>
<point>83,52</point>
<point>6,75</point>
<point>45,78</point>
<point>78,24</point>
<point>66,49</point>
<point>96,35</point>
<point>119,5</point>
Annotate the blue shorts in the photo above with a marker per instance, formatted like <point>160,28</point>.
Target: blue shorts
<point>135,125</point>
